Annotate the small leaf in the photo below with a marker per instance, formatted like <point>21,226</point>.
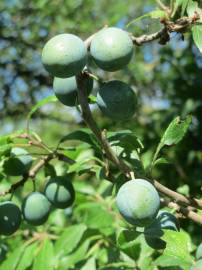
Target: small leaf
<point>155,14</point>
<point>176,131</point>
<point>27,258</point>
<point>84,135</point>
<point>40,104</point>
<point>72,235</point>
<point>44,259</point>
<point>90,264</point>
<point>161,161</point>
<point>76,256</point>
<point>12,259</point>
<point>197,36</point>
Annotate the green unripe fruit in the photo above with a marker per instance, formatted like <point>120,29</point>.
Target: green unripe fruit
<point>18,163</point>
<point>10,218</point>
<point>111,49</point>
<point>199,252</point>
<point>198,265</point>
<point>60,192</point>
<point>36,208</point>
<point>64,55</point>
<point>66,89</point>
<point>117,100</point>
<point>138,202</point>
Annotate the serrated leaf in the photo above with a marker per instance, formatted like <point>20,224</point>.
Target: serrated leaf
<point>72,235</point>
<point>197,36</point>
<point>44,259</point>
<point>177,251</point>
<point>27,258</point>
<point>155,14</point>
<point>176,131</point>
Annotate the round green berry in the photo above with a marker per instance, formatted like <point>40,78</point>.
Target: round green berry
<point>117,100</point>
<point>10,218</point>
<point>18,163</point>
<point>64,55</point>
<point>60,192</point>
<point>36,208</point>
<point>138,202</point>
<point>66,89</point>
<point>111,49</point>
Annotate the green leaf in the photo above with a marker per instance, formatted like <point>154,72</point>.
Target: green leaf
<point>129,242</point>
<point>192,8</point>
<point>161,161</point>
<point>177,251</point>
<point>13,258</point>
<point>73,235</point>
<point>96,216</point>
<point>40,104</point>
<point>44,259</point>
<point>84,135</point>
<point>197,36</point>
<point>155,14</point>
<point>90,264</point>
<point>176,131</point>
<point>76,256</point>
<point>125,139</point>
<point>27,257</point>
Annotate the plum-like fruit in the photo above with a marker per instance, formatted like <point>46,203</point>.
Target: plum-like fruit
<point>138,202</point>
<point>64,55</point>
<point>60,192</point>
<point>153,232</point>
<point>117,100</point>
<point>111,49</point>
<point>18,163</point>
<point>10,218</point>
<point>66,89</point>
<point>36,208</point>
<point>199,252</point>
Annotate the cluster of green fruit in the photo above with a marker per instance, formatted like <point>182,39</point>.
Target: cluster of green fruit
<point>58,192</point>
<point>65,56</point>
<point>138,202</point>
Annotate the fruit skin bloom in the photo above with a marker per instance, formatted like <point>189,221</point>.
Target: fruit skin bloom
<point>138,202</point>
<point>64,55</point>
<point>111,49</point>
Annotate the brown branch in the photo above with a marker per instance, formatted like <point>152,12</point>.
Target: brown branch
<point>87,116</point>
<point>184,211</point>
<point>179,198</point>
